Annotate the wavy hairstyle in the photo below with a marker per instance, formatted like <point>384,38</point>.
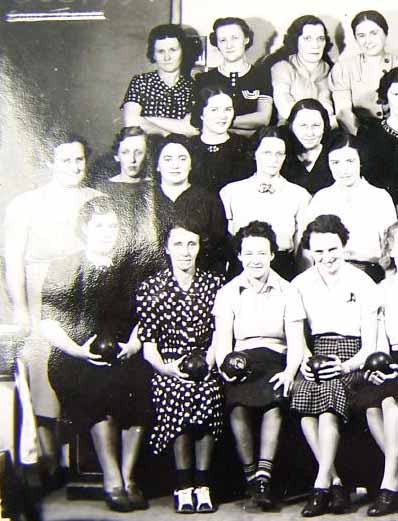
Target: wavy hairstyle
<point>202,99</point>
<point>231,20</point>
<point>326,223</point>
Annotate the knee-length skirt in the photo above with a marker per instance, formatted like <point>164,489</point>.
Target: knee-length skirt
<point>310,398</point>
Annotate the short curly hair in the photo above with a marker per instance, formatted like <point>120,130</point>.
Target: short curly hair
<point>256,229</point>
<point>202,99</point>
<point>326,223</point>
<point>290,41</point>
<point>386,81</point>
<point>124,133</point>
<point>309,104</point>
<point>231,20</point>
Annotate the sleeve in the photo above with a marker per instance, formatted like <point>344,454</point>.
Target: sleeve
<point>225,196</point>
<point>388,214</point>
<point>17,215</point>
<point>263,83</point>
<point>370,295</point>
<point>147,310</point>
<point>339,77</point>
<point>294,310</point>
<point>135,91</point>
<point>281,73</point>
<point>223,303</point>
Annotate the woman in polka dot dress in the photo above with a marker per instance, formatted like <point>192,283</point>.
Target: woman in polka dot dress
<point>175,319</point>
<point>160,101</point>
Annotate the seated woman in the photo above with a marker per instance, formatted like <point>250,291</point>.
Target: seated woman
<point>381,401</point>
<point>246,84</point>
<point>341,304</point>
<point>309,130</point>
<point>129,185</point>
<point>219,157</point>
<point>354,80</point>
<point>365,210</point>
<point>258,312</point>
<point>175,196</point>
<point>160,101</point>
<point>300,68</point>
<point>380,140</point>
<point>87,298</point>
<point>267,196</point>
<point>175,320</point>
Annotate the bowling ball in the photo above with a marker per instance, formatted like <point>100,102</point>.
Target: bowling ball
<point>195,366</point>
<point>236,365</point>
<point>379,361</point>
<point>106,346</point>
<point>315,363</point>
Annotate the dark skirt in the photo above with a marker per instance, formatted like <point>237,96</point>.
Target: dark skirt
<point>256,391</point>
<point>89,393</point>
<point>370,395</point>
<point>312,399</point>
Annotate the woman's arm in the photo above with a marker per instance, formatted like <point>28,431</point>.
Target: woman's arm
<point>132,346</point>
<point>344,113</point>
<point>252,121</point>
<point>152,355</point>
<point>59,338</point>
<point>223,337</point>
<point>282,85</point>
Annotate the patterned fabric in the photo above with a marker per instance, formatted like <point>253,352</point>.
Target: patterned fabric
<point>312,399</point>
<point>178,322</point>
<point>158,99</point>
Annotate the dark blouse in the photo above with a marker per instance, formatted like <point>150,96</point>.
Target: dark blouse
<point>319,177</point>
<point>158,99</point>
<point>245,90</point>
<point>380,144</point>
<point>214,166</point>
<point>203,209</point>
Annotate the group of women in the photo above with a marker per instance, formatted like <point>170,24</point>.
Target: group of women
<point>217,232</point>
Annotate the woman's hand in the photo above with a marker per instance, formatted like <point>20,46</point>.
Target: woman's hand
<point>306,371</point>
<point>284,379</point>
<point>129,348</point>
<point>229,379</point>
<point>378,377</point>
<point>85,353</point>
<point>331,369</point>
<point>172,369</point>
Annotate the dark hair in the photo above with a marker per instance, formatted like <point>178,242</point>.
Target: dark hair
<point>272,131</point>
<point>125,133</point>
<point>325,224</point>
<point>310,104</point>
<point>231,20</point>
<point>98,206</point>
<point>185,222</point>
<point>340,139</point>
<point>386,81</point>
<point>58,137</point>
<point>202,99</point>
<point>178,139</point>
<point>373,16</point>
<point>191,47</point>
<point>256,229</point>
<point>295,30</point>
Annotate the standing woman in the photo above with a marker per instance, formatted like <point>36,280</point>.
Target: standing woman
<point>89,297</point>
<point>309,130</point>
<point>259,313</point>
<point>354,80</point>
<point>175,320</point>
<point>160,102</point>
<point>381,139</point>
<point>219,156</point>
<point>267,196</point>
<point>365,210</point>
<point>341,306</point>
<point>300,68</point>
<point>175,196</point>
<point>245,83</point>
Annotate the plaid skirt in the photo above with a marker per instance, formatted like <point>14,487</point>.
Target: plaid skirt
<point>312,399</point>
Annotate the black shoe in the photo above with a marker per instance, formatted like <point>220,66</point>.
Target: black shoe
<point>262,493</point>
<point>317,503</point>
<point>386,503</point>
<point>339,499</point>
<point>136,497</point>
<point>117,500</point>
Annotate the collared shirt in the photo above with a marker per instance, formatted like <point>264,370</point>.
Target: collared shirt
<point>340,309</point>
<point>388,290</point>
<point>259,317</point>
<point>282,208</point>
<point>365,210</point>
<point>359,80</point>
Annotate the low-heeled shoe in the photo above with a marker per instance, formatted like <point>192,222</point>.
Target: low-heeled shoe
<point>317,504</point>
<point>136,497</point>
<point>386,503</point>
<point>117,500</point>
<point>339,499</point>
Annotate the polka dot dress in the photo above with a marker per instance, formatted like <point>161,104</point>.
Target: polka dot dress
<point>178,322</point>
<point>158,99</point>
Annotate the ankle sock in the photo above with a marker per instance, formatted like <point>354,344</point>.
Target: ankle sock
<point>250,471</point>
<point>264,469</point>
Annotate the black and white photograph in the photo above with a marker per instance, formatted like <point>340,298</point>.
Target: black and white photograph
<point>198,260</point>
